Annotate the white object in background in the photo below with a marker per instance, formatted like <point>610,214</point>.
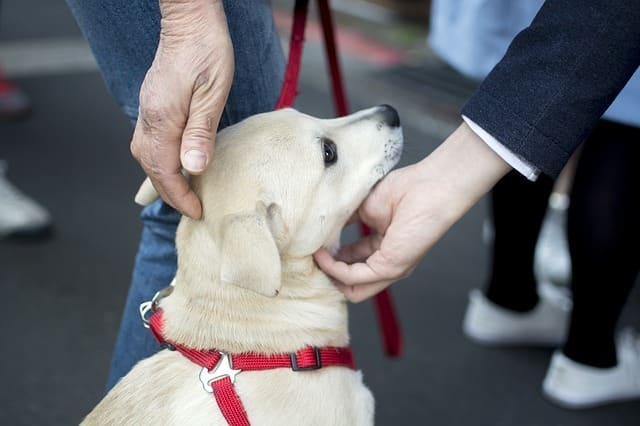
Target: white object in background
<point>552,262</point>
<point>19,214</point>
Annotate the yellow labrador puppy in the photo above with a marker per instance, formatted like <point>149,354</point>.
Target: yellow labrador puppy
<point>281,185</point>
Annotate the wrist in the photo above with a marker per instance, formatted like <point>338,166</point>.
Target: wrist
<point>463,169</point>
<point>179,6</point>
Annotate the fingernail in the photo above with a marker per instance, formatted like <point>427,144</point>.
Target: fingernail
<point>195,160</point>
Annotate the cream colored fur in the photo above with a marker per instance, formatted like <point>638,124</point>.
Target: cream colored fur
<point>246,279</point>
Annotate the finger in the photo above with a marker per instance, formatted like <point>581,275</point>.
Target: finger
<point>354,274</point>
<point>197,141</point>
<point>205,110</point>
<point>359,250</point>
<point>152,146</point>
<point>175,190</point>
<point>358,293</point>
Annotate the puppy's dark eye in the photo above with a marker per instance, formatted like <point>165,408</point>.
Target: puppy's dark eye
<point>329,152</point>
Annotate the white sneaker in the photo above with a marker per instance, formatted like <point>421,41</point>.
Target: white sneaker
<point>574,385</point>
<point>490,324</point>
<point>19,214</point>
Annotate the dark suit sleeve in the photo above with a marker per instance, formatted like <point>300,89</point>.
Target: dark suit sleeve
<point>558,77</point>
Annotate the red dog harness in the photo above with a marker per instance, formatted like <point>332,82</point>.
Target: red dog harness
<point>219,369</point>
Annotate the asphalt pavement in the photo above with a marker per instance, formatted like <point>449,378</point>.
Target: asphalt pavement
<point>62,297</point>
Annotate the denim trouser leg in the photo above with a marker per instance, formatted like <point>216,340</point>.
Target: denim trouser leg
<point>123,35</point>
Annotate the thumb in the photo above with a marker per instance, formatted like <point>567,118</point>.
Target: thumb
<point>199,133</point>
<point>197,142</point>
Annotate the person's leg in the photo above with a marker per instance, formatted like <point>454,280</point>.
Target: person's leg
<point>552,264</point>
<point>124,36</point>
<point>594,367</point>
<point>518,208</point>
<point>512,311</point>
<point>604,230</point>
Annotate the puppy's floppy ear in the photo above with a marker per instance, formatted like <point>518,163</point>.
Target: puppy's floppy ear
<point>250,250</point>
<point>146,194</point>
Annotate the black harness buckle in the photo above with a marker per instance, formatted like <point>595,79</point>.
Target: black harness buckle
<point>296,367</point>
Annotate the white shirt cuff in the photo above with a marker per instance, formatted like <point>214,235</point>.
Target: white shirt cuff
<point>524,167</point>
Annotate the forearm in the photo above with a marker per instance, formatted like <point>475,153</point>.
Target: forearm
<point>463,168</point>
<point>558,77</point>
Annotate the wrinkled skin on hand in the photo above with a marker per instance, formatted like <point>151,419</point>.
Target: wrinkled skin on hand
<point>182,98</point>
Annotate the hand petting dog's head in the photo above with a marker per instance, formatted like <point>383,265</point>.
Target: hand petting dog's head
<point>283,184</point>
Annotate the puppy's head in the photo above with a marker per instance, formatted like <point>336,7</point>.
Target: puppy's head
<point>283,184</point>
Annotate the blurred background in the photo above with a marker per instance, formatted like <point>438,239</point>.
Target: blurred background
<point>63,292</point>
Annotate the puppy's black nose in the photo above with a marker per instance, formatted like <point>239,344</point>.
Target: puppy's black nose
<point>389,115</point>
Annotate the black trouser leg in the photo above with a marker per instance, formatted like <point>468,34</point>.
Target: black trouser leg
<point>518,208</point>
<point>604,239</point>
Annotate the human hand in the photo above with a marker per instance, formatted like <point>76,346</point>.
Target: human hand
<point>182,98</point>
<point>409,211</point>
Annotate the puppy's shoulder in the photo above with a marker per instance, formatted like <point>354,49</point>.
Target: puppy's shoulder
<point>153,392</point>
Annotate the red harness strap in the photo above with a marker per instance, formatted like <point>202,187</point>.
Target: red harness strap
<point>387,317</point>
<point>220,369</point>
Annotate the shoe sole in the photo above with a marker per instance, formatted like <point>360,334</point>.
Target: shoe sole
<point>11,116</point>
<point>512,343</point>
<point>34,233</point>
<point>586,405</point>
<point>498,342</point>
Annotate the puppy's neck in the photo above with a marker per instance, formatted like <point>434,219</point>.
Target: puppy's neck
<point>204,313</point>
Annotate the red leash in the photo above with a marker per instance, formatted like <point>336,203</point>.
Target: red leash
<point>339,94</point>
<point>387,317</point>
<point>292,72</point>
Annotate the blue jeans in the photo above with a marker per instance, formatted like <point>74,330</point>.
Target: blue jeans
<point>123,35</point>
